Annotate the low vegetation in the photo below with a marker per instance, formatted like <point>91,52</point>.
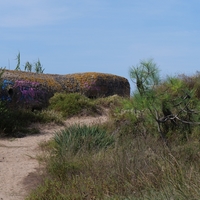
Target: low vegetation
<point>148,149</point>
<point>73,104</point>
<point>61,106</point>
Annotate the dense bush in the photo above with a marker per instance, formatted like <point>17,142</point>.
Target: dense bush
<point>171,105</point>
<point>72,104</point>
<point>16,122</point>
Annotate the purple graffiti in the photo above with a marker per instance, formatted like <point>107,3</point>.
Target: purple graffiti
<point>90,86</point>
<point>28,92</point>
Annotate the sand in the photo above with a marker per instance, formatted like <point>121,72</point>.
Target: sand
<point>19,168</point>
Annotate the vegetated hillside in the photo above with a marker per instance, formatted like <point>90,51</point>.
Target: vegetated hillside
<point>149,149</point>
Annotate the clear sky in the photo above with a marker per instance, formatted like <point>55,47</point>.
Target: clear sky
<point>108,36</point>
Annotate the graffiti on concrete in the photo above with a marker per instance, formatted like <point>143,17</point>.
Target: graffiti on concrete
<point>29,92</point>
<point>91,89</point>
<point>6,90</point>
<point>23,93</point>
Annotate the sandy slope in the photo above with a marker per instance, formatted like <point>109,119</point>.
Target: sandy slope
<point>19,170</point>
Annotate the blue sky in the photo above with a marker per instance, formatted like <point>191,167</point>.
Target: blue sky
<point>108,36</point>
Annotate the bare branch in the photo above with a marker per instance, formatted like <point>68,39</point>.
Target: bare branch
<point>187,122</point>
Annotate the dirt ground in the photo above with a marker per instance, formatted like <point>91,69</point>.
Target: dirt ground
<point>19,168</point>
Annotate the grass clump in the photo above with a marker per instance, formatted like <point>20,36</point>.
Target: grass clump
<point>72,104</point>
<point>79,138</point>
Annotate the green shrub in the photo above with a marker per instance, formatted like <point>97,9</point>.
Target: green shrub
<point>109,102</point>
<point>48,115</point>
<point>4,116</point>
<point>169,106</point>
<point>15,122</point>
<point>72,104</point>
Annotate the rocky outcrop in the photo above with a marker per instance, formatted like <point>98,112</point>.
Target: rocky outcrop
<point>34,90</point>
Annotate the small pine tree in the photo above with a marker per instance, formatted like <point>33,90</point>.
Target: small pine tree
<point>171,105</point>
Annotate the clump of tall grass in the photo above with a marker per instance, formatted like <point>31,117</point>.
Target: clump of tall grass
<point>78,138</point>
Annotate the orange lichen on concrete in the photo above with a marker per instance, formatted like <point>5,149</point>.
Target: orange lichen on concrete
<point>91,84</point>
<point>44,79</point>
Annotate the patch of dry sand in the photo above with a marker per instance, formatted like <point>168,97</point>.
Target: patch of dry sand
<point>19,168</point>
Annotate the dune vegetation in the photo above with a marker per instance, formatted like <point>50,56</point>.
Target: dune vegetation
<point>149,148</point>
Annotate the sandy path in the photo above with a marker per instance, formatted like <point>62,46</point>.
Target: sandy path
<point>19,170</point>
